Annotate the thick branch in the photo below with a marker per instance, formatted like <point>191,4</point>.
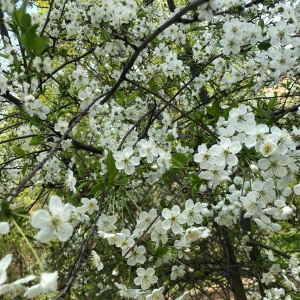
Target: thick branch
<point>171,5</point>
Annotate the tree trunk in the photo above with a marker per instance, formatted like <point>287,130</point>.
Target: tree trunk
<point>233,271</point>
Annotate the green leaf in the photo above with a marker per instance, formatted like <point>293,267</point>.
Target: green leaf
<point>19,151</point>
<point>40,44</point>
<point>33,120</point>
<point>120,98</point>
<point>26,21</point>
<point>261,23</point>
<point>5,206</point>
<point>24,169</point>
<point>271,104</point>
<point>36,140</point>
<point>236,9</point>
<point>195,27</point>
<point>97,188</point>
<point>32,43</point>
<point>17,17</point>
<point>82,185</point>
<point>130,98</point>
<point>153,85</point>
<point>211,110</point>
<point>122,181</point>
<point>163,203</point>
<point>20,212</point>
<point>194,178</point>
<point>24,6</point>
<point>111,167</point>
<point>262,112</point>
<point>142,14</point>
<point>155,42</point>
<point>179,159</point>
<point>265,45</point>
<point>268,3</point>
<point>103,34</point>
<point>170,138</point>
<point>161,251</point>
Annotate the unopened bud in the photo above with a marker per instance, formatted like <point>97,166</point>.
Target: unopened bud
<point>195,248</point>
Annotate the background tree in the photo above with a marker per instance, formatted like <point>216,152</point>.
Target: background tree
<point>149,150</point>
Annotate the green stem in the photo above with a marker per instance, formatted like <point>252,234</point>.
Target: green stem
<point>29,245</point>
<point>139,209</point>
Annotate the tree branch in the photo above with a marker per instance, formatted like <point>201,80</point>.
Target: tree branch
<point>171,5</point>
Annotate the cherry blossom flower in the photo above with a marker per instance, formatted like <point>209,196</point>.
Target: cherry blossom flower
<point>145,278</point>
<point>106,223</point>
<point>71,181</point>
<point>53,222</point>
<point>297,189</point>
<point>264,190</point>
<point>125,161</point>
<point>274,165</point>
<point>164,160</point>
<point>265,222</point>
<point>267,148</point>
<point>89,205</point>
<point>192,212</point>
<point>15,287</point>
<point>177,272</point>
<point>125,240</point>
<point>215,174</point>
<point>280,33</point>
<point>145,219</point>
<point>4,263</point>
<point>204,156</point>
<point>148,149</point>
<point>61,126</point>
<point>124,292</point>
<point>239,117</point>
<point>231,44</point>
<point>36,107</point>
<point>42,65</point>
<point>96,261</point>
<point>136,256</point>
<point>252,205</point>
<point>48,283</point>
<point>283,139</point>
<point>193,234</point>
<point>172,219</point>
<point>157,294</point>
<point>159,234</point>
<point>227,149</point>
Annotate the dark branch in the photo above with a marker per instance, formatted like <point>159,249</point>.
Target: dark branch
<point>171,5</point>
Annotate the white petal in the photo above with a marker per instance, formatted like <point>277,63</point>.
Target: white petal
<point>297,189</point>
<point>140,271</point>
<point>49,281</point>
<point>4,228</point>
<point>5,262</point>
<point>33,291</point>
<point>40,218</point>
<point>166,213</point>
<point>55,204</point>
<point>45,235</point>
<point>64,232</point>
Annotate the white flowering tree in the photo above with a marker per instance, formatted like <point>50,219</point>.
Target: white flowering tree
<point>149,149</point>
